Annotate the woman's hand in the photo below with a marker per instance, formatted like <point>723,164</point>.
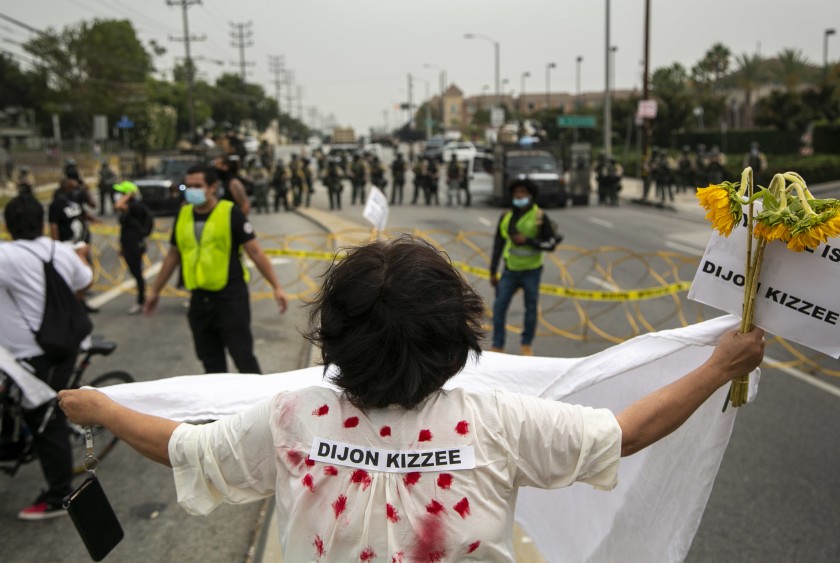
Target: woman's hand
<point>84,406</point>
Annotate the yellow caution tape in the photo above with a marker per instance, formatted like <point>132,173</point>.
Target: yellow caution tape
<point>590,294</point>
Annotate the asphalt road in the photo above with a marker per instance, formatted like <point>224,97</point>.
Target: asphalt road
<point>777,492</point>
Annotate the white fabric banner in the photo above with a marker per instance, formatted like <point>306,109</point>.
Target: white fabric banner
<point>662,492</point>
<point>797,298</point>
<point>35,392</point>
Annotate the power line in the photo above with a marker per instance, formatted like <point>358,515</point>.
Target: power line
<point>241,35</point>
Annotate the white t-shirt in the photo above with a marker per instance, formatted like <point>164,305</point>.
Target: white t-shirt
<point>438,483</point>
<point>22,273</point>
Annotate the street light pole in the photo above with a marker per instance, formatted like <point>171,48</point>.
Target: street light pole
<point>607,89</point>
<point>577,96</point>
<point>548,68</point>
<point>828,32</point>
<point>428,105</point>
<point>442,90</point>
<point>496,51</point>
<point>522,106</point>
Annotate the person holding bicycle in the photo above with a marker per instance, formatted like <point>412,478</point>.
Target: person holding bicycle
<point>22,298</point>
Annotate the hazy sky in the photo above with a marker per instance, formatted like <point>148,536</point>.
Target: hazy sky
<point>352,56</point>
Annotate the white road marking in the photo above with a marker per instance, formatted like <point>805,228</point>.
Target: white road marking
<point>684,247</point>
<point>485,221</point>
<point>804,377</point>
<point>103,298</point>
<point>602,222</point>
<point>601,283</point>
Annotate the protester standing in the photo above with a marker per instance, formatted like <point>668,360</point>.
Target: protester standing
<point>385,464</point>
<point>107,179</point>
<point>397,179</point>
<point>136,223</point>
<point>523,234</point>
<point>207,239</point>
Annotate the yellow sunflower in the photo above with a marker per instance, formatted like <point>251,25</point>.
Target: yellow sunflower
<point>723,205</point>
<point>779,231</point>
<point>814,230</point>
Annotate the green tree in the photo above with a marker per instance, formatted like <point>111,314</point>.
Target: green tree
<point>791,68</point>
<point>97,67</point>
<point>713,66</point>
<point>670,85</point>
<point>751,75</point>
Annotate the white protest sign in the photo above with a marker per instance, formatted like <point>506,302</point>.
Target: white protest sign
<point>376,208</point>
<point>796,298</point>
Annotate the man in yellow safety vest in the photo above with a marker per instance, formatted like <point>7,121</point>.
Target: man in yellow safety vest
<point>524,232</point>
<point>207,241</point>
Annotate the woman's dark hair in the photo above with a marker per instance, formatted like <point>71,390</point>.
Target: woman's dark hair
<point>397,320</point>
<point>24,216</point>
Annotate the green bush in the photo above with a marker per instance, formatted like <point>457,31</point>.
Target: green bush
<point>739,140</point>
<point>827,139</point>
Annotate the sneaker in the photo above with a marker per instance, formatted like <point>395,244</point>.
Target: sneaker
<point>135,309</point>
<point>41,511</point>
<point>526,350</point>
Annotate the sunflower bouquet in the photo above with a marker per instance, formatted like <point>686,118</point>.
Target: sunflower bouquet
<point>789,214</point>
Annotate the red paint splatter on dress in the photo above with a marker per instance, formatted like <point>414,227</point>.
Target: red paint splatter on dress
<point>411,479</point>
<point>308,461</point>
<point>351,422</point>
<point>361,477</point>
<point>425,435</point>
<point>294,457</point>
<point>308,482</point>
<point>437,556</point>
<point>367,554</point>
<point>319,546</point>
<point>391,513</point>
<point>339,505</point>
<point>331,471</point>
<point>431,537</point>
<point>473,546</point>
<point>385,431</point>
<point>462,507</point>
<point>321,411</point>
<point>434,507</point>
<point>444,480</point>
<point>398,557</point>
<point>462,428</point>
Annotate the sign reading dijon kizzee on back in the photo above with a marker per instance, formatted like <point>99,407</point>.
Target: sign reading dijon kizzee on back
<point>797,298</point>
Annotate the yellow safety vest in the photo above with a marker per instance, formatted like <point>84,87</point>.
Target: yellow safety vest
<point>522,257</point>
<point>205,263</point>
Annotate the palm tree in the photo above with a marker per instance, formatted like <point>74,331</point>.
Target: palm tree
<point>792,66</point>
<point>750,76</point>
<point>717,60</point>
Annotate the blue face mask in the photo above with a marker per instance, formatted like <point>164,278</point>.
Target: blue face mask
<point>195,196</point>
<point>521,201</point>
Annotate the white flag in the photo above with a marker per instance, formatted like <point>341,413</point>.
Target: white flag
<point>376,209</point>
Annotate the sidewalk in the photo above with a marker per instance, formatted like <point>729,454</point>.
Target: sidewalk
<point>685,203</point>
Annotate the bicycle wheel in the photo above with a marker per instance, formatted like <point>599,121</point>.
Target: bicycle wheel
<point>103,440</point>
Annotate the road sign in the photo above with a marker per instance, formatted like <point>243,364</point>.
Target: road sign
<point>497,117</point>
<point>125,123</point>
<point>577,121</point>
<point>647,109</point>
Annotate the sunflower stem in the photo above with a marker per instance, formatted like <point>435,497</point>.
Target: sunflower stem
<point>800,192</point>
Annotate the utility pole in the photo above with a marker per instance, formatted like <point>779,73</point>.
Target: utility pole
<point>410,115</point>
<point>290,82</point>
<point>300,103</point>
<point>275,67</point>
<point>189,64</point>
<point>241,35</point>
<point>645,94</point>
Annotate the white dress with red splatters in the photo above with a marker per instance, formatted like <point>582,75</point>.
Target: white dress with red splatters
<point>345,511</point>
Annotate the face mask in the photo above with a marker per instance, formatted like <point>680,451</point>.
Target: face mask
<point>521,201</point>
<point>195,196</point>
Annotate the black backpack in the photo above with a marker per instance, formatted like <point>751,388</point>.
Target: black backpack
<point>65,323</point>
